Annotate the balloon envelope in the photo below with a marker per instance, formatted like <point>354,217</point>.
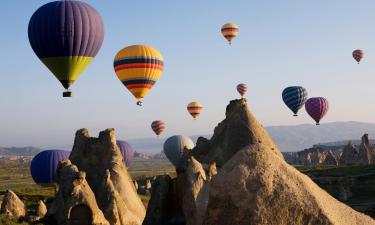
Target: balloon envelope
<point>127,152</point>
<point>242,89</point>
<point>195,109</point>
<point>317,108</point>
<point>229,31</point>
<point>138,67</point>
<point>294,97</point>
<point>44,165</point>
<point>66,36</point>
<point>174,147</point>
<point>358,55</point>
<point>158,126</point>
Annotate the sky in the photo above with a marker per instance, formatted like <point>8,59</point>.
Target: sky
<point>280,43</point>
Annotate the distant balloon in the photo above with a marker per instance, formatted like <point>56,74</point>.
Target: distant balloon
<point>126,151</point>
<point>66,36</point>
<point>358,55</point>
<point>195,109</point>
<point>317,108</point>
<point>242,89</point>
<point>229,31</point>
<point>294,97</point>
<point>44,165</point>
<point>158,127</point>
<point>174,148</point>
<point>138,67</point>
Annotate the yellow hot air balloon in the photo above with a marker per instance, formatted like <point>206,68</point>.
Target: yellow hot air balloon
<point>229,31</point>
<point>194,108</point>
<point>138,67</point>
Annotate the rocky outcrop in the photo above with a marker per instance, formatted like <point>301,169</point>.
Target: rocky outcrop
<point>12,205</point>
<point>330,159</point>
<point>41,210</point>
<point>366,154</point>
<point>253,184</point>
<point>95,185</point>
<point>256,186</point>
<point>349,155</point>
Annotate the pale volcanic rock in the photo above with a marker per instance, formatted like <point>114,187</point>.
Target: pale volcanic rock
<point>256,186</point>
<point>41,210</point>
<point>12,205</point>
<point>98,182</point>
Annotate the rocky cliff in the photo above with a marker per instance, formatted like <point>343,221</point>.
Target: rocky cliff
<point>252,184</point>
<point>94,185</point>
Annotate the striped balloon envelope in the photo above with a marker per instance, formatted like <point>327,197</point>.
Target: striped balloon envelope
<point>294,97</point>
<point>358,55</point>
<point>158,127</point>
<point>138,67</point>
<point>317,108</point>
<point>229,31</point>
<point>242,89</point>
<point>66,36</point>
<point>194,108</point>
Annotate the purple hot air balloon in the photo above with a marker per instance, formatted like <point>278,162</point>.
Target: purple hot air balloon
<point>44,164</point>
<point>317,108</point>
<point>126,151</point>
<point>66,36</point>
<point>242,89</point>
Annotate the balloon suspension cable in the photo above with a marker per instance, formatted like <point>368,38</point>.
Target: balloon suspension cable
<point>139,103</point>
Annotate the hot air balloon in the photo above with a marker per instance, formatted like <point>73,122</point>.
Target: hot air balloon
<point>242,89</point>
<point>358,55</point>
<point>66,36</point>
<point>294,97</point>
<point>317,108</point>
<point>44,165</point>
<point>229,31</point>
<point>174,147</point>
<point>138,67</point>
<point>158,127</point>
<point>194,108</point>
<point>126,151</point>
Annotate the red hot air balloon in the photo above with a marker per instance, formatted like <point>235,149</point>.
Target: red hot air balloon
<point>358,55</point>
<point>317,108</point>
<point>158,127</point>
<point>242,89</point>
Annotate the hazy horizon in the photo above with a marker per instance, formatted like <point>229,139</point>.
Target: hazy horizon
<point>279,44</point>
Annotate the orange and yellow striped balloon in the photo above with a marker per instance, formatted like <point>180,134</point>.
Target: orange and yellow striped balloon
<point>194,108</point>
<point>229,31</point>
<point>138,67</point>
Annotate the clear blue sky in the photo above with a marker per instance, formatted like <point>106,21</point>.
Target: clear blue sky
<point>280,43</point>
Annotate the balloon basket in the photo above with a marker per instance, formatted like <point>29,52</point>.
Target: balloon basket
<point>295,115</point>
<point>139,103</point>
<point>67,94</point>
<point>317,124</point>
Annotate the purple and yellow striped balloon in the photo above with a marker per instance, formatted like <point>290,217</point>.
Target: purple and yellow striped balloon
<point>242,89</point>
<point>229,31</point>
<point>317,108</point>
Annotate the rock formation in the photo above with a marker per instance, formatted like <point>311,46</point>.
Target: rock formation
<point>253,184</point>
<point>330,159</point>
<point>94,185</point>
<point>41,210</point>
<point>12,205</point>
<point>366,152</point>
<point>349,155</point>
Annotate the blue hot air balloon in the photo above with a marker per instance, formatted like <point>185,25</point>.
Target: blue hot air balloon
<point>294,97</point>
<point>174,147</point>
<point>66,36</point>
<point>44,165</point>
<point>126,151</point>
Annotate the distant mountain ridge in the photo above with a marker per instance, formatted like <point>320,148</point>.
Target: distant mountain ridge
<point>19,151</point>
<point>288,138</point>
